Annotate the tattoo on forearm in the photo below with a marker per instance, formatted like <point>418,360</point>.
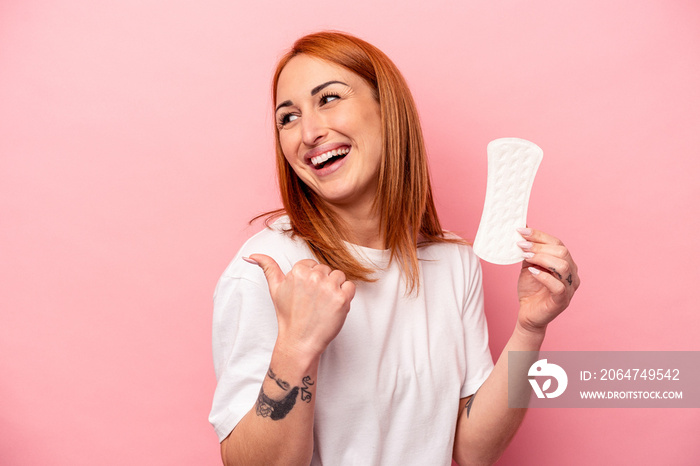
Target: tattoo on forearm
<point>281,383</point>
<point>305,393</point>
<point>568,279</point>
<point>278,409</point>
<point>275,410</point>
<point>555,271</point>
<point>468,406</point>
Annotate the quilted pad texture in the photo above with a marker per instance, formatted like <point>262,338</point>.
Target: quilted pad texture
<point>512,165</point>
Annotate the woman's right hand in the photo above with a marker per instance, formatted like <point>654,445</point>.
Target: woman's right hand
<point>311,301</point>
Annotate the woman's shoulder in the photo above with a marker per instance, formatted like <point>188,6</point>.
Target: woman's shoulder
<point>275,240</point>
<point>273,236</point>
<point>455,250</point>
<point>452,243</point>
<point>452,262</point>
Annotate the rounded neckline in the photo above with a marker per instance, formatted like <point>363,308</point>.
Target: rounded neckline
<point>375,257</point>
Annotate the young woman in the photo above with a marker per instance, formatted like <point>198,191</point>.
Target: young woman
<point>351,330</point>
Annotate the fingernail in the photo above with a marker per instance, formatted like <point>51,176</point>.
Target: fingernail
<point>533,270</point>
<point>525,231</point>
<point>528,255</point>
<point>249,260</point>
<point>524,244</point>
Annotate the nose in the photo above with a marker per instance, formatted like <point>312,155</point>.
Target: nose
<point>313,128</point>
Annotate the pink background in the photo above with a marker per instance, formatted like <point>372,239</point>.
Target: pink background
<point>135,143</point>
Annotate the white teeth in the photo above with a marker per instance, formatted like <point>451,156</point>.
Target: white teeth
<point>327,155</point>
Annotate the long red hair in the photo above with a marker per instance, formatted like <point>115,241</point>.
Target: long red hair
<point>404,198</point>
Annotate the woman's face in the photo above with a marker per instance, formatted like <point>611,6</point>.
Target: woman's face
<point>330,130</point>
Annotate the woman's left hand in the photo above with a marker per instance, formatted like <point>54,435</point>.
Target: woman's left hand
<point>548,279</point>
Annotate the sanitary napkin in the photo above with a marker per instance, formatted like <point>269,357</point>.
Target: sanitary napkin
<point>512,165</point>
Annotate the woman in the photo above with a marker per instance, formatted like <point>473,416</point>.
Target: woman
<point>360,338</point>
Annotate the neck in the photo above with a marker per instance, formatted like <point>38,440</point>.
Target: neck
<point>363,225</point>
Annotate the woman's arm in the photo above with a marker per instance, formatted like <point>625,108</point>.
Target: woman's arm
<point>311,302</point>
<point>279,427</point>
<point>486,424</point>
<point>548,280</point>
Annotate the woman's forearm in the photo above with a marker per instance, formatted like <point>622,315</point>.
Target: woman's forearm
<point>311,302</point>
<point>278,430</point>
<point>486,424</point>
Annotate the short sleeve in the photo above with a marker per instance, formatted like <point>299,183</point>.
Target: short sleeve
<point>479,360</point>
<point>244,333</point>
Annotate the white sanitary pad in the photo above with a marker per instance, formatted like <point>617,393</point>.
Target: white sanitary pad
<point>512,165</point>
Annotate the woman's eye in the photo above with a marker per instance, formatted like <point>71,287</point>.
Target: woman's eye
<point>329,98</point>
<point>287,118</point>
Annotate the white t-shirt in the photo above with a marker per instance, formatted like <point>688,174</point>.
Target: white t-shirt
<point>389,384</point>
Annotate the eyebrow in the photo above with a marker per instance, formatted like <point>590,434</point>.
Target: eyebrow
<point>314,91</point>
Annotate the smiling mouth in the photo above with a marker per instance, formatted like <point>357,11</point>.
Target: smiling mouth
<point>327,158</point>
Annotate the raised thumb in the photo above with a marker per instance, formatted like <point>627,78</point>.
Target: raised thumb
<point>272,271</point>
